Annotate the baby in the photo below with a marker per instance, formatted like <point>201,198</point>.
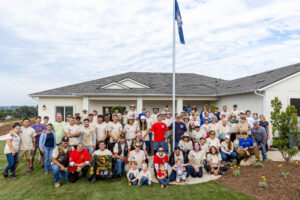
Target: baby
<point>179,167</point>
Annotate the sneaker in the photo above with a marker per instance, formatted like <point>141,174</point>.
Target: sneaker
<point>186,181</point>
<point>118,178</point>
<point>5,175</point>
<point>31,168</point>
<point>57,185</point>
<point>11,177</point>
<point>129,184</point>
<point>43,166</point>
<point>161,185</point>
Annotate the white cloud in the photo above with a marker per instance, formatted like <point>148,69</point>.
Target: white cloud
<point>46,44</point>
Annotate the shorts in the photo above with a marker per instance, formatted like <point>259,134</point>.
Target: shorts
<point>180,176</point>
<point>26,153</point>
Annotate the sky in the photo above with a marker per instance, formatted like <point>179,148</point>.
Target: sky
<point>48,44</point>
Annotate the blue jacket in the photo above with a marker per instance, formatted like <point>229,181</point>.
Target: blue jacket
<point>43,140</point>
<point>246,143</point>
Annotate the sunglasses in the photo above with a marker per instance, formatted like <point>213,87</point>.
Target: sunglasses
<point>137,146</point>
<point>212,134</point>
<point>160,150</point>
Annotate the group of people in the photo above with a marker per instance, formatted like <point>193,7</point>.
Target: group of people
<point>208,139</point>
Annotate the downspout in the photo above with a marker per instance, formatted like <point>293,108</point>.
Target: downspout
<point>263,103</point>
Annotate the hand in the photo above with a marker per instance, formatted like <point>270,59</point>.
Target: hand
<point>229,153</point>
<point>33,149</point>
<point>261,144</point>
<point>143,138</point>
<point>166,140</point>
<point>248,154</point>
<point>268,136</point>
<point>78,169</point>
<point>149,182</point>
<point>43,151</point>
<point>216,172</point>
<point>196,169</point>
<point>62,168</point>
<point>13,153</point>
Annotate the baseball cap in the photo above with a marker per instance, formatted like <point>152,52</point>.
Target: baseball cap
<point>65,139</point>
<point>227,137</point>
<point>122,135</point>
<point>256,122</point>
<point>143,117</point>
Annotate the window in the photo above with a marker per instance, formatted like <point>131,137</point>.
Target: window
<point>64,110</point>
<point>296,103</point>
<point>110,107</point>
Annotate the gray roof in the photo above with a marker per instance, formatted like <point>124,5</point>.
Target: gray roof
<point>187,84</point>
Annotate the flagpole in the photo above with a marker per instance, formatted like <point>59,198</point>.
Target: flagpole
<point>173,63</point>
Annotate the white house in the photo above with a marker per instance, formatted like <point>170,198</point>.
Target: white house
<point>155,90</point>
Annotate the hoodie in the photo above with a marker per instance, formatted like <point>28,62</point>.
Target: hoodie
<point>160,160</point>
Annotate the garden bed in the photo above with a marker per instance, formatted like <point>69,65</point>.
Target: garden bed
<point>278,187</point>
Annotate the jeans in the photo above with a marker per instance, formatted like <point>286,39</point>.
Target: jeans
<point>47,158</point>
<point>156,145</point>
<point>222,169</point>
<point>90,149</point>
<point>176,143</point>
<point>172,176</point>
<point>12,160</point>
<point>131,177</point>
<point>164,181</point>
<point>263,148</point>
<point>148,147</point>
<point>292,140</point>
<point>145,181</point>
<point>120,167</point>
<point>193,172</point>
<point>57,174</point>
<point>227,157</point>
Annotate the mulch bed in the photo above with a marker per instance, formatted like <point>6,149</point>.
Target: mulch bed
<point>5,128</point>
<point>278,186</point>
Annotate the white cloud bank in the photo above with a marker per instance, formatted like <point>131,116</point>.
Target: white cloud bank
<point>46,44</point>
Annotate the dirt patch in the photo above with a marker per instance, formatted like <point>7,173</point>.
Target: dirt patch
<point>278,186</point>
<point>4,128</point>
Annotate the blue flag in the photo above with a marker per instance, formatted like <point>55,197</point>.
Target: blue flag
<point>179,22</point>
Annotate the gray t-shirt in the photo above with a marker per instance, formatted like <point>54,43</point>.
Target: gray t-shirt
<point>258,133</point>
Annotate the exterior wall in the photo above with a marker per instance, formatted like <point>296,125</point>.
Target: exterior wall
<point>244,102</point>
<point>52,102</point>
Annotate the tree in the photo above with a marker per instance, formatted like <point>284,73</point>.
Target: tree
<point>284,123</point>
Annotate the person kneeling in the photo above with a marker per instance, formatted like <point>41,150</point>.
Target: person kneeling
<point>133,173</point>
<point>145,176</point>
<point>162,176</point>
<point>79,162</point>
<point>179,168</point>
<point>214,162</point>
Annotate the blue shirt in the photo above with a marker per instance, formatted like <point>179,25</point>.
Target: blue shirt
<point>180,128</point>
<point>49,140</point>
<point>141,114</point>
<point>246,143</point>
<point>204,118</point>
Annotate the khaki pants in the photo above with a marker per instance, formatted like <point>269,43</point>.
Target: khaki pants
<point>252,151</point>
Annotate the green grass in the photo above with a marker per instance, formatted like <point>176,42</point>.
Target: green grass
<point>41,186</point>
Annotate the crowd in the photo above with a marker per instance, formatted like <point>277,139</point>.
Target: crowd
<point>206,140</point>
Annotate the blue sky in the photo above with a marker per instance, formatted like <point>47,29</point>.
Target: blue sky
<point>47,44</point>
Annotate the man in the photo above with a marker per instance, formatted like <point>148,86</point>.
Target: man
<point>139,139</point>
<point>249,118</point>
<point>206,116</point>
<point>79,162</point>
<point>95,114</point>
<point>132,111</point>
<point>248,147</point>
<point>217,113</point>
<point>27,147</point>
<point>176,154</point>
<point>100,129</point>
<point>143,113</point>
<point>78,121</point>
<point>121,150</point>
<point>45,120</point>
<point>114,132</point>
<point>180,129</point>
<point>116,112</point>
<point>88,137</point>
<point>84,114</point>
<point>193,115</point>
<point>72,131</point>
<point>188,108</point>
<point>259,135</point>
<point>235,111</point>
<point>39,129</point>
<point>68,118</point>
<point>154,115</point>
<point>59,128</point>
<point>137,155</point>
<point>159,129</point>
<point>91,117</point>
<point>60,161</point>
<point>225,112</point>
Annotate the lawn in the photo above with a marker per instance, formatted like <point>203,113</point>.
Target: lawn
<point>40,186</point>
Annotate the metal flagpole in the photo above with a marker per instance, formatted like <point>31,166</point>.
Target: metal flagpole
<point>173,98</point>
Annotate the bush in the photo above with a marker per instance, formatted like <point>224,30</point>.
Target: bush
<point>284,174</point>
<point>258,164</point>
<point>263,184</point>
<point>285,124</point>
<point>237,172</point>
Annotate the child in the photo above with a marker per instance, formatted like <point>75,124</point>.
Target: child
<point>145,176</point>
<point>133,173</point>
<point>179,168</point>
<point>162,176</point>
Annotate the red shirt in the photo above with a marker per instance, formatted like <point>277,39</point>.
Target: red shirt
<point>162,175</point>
<point>160,160</point>
<point>159,129</point>
<point>78,158</point>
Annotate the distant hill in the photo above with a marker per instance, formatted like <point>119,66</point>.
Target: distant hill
<point>8,107</point>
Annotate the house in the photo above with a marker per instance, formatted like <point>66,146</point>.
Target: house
<point>147,89</point>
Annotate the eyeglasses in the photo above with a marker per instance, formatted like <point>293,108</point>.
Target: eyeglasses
<point>212,134</point>
<point>160,150</point>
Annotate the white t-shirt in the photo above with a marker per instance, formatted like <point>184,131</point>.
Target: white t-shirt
<point>88,136</point>
<point>185,146</point>
<point>100,130</point>
<point>15,143</point>
<point>197,158</point>
<point>214,159</point>
<point>73,130</point>
<point>26,135</point>
<point>213,142</point>
<point>130,131</point>
<point>198,134</point>
<point>135,172</point>
<point>105,152</point>
<point>115,129</point>
<point>139,157</point>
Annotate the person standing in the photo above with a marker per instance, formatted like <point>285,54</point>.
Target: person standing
<point>265,124</point>
<point>88,137</point>
<point>59,128</point>
<point>159,129</point>
<point>47,144</point>
<point>60,161</point>
<point>235,110</point>
<point>259,135</point>
<point>100,129</point>
<point>73,132</point>
<point>154,115</point>
<point>84,114</point>
<point>11,150</point>
<point>143,113</point>
<point>225,112</point>
<point>27,136</point>
<point>39,129</point>
<point>144,129</point>
<point>180,129</point>
<point>114,132</point>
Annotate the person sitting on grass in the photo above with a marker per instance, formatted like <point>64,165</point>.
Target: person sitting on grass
<point>177,153</point>
<point>11,150</point>
<point>185,144</point>
<point>79,162</point>
<point>248,147</point>
<point>227,152</point>
<point>160,158</point>
<point>133,173</point>
<point>162,176</point>
<point>213,140</point>
<point>214,162</point>
<point>179,167</point>
<point>137,155</point>
<point>60,161</point>
<point>144,176</point>
<point>196,159</point>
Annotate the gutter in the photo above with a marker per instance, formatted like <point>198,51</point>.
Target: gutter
<point>263,104</point>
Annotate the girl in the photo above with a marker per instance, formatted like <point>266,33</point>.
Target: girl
<point>162,176</point>
<point>214,162</point>
<point>197,134</point>
<point>179,168</point>
<point>11,150</point>
<point>145,176</point>
<point>144,128</point>
<point>227,152</point>
<point>130,130</point>
<point>133,173</point>
<point>196,158</point>
<point>213,140</point>
<point>204,128</point>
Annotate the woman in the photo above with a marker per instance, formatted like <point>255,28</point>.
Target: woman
<point>227,150</point>
<point>160,158</point>
<point>191,127</point>
<point>214,125</point>
<point>186,121</point>
<point>243,125</point>
<point>232,124</point>
<point>224,130</point>
<point>197,134</point>
<point>204,110</point>
<point>213,140</point>
<point>47,144</point>
<point>205,127</point>
<point>196,158</point>
<point>265,124</point>
<point>214,162</point>
<point>130,130</point>
<point>11,150</point>
<point>185,144</point>
<point>144,128</point>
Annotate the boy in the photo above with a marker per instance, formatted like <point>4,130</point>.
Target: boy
<point>145,176</point>
<point>162,176</point>
<point>133,173</point>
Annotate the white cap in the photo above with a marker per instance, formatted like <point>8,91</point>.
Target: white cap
<point>143,117</point>
<point>227,137</point>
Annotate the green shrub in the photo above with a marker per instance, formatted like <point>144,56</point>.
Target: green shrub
<point>284,174</point>
<point>263,184</point>
<point>258,164</point>
<point>237,172</point>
